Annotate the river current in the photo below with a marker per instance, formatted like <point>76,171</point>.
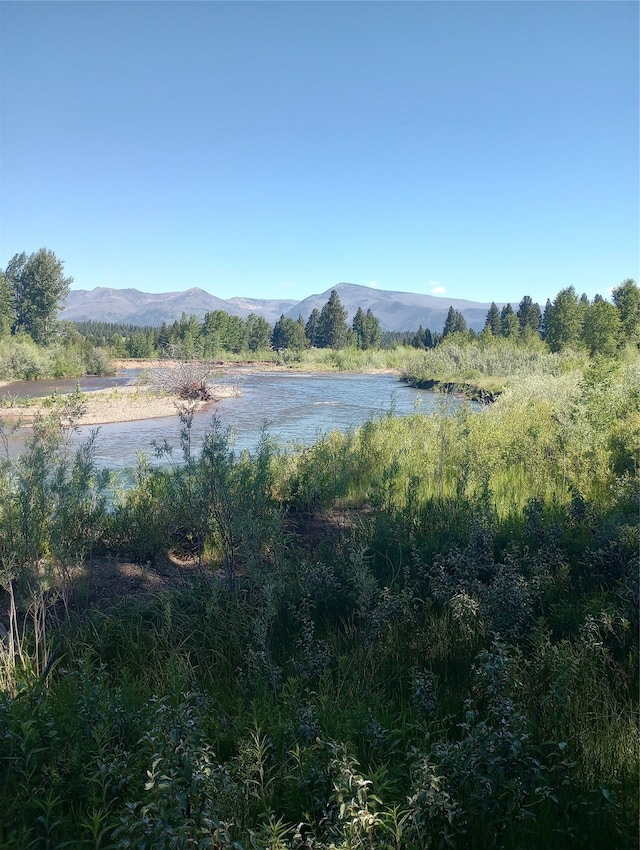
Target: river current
<point>294,407</point>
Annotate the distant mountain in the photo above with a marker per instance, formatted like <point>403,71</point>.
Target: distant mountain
<point>269,310</point>
<point>397,311</point>
<point>130,306</point>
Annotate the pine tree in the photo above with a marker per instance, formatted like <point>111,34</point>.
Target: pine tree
<point>311,328</point>
<point>332,331</point>
<point>288,333</point>
<point>529,315</point>
<point>454,323</point>
<point>366,329</point>
<point>418,340</point>
<point>493,320</point>
<point>509,321</point>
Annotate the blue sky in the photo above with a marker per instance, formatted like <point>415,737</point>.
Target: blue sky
<point>480,150</point>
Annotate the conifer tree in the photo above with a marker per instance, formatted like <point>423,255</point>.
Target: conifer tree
<point>332,331</point>
<point>529,315</point>
<point>311,328</point>
<point>509,321</point>
<point>454,323</point>
<point>366,329</point>
<point>493,320</point>
<point>288,333</point>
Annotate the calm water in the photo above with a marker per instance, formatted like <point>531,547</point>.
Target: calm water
<point>295,407</point>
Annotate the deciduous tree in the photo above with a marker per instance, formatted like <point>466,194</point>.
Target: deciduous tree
<point>287,333</point>
<point>258,332</point>
<point>7,310</point>
<point>39,287</point>
<point>626,297</point>
<point>564,320</point>
<point>602,328</point>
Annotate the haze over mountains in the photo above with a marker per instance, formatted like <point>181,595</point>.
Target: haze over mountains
<point>396,311</point>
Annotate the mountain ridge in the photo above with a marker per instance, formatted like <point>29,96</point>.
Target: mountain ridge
<point>396,311</point>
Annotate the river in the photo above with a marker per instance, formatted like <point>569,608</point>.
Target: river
<point>294,407</point>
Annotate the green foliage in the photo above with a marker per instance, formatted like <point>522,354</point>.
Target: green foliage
<point>602,331</point>
<point>39,287</point>
<point>366,329</point>
<point>7,307</point>
<point>288,333</point>
<point>422,633</point>
<point>455,323</point>
<point>626,297</point>
<point>529,315</point>
<point>564,320</point>
<point>331,330</point>
<point>493,320</point>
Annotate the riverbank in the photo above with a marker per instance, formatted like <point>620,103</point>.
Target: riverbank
<point>121,404</point>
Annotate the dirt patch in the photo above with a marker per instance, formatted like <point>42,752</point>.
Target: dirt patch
<point>104,580</point>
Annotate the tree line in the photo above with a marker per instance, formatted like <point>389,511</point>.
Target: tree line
<point>568,322</point>
<point>220,332</point>
<point>33,287</point>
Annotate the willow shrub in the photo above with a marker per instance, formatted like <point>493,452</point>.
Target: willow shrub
<point>493,359</point>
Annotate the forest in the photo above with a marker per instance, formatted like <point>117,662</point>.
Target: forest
<point>421,633</point>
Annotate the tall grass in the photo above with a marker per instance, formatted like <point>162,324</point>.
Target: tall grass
<point>421,633</point>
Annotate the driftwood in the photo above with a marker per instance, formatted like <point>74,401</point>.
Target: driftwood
<point>188,379</point>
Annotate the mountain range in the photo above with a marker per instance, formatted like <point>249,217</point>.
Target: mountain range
<point>396,311</point>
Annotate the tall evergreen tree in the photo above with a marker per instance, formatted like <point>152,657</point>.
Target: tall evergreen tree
<point>509,320</point>
<point>311,328</point>
<point>544,321</point>
<point>529,315</point>
<point>454,323</point>
<point>418,340</point>
<point>366,329</point>
<point>332,324</point>
<point>493,320</point>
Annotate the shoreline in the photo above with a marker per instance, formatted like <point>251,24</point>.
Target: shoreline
<point>137,402</point>
<point>129,403</point>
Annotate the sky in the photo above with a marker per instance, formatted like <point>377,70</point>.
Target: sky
<point>478,150</point>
